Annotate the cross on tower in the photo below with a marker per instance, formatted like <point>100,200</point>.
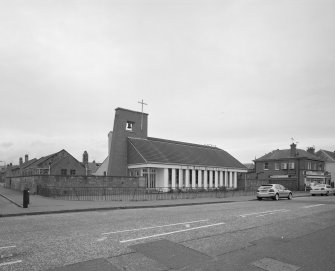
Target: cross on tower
<point>142,103</point>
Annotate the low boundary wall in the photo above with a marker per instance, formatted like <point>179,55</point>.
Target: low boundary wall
<point>56,181</point>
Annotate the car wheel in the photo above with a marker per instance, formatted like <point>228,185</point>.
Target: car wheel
<point>276,197</point>
<point>327,194</point>
<point>259,198</point>
<point>289,196</point>
<point>313,195</point>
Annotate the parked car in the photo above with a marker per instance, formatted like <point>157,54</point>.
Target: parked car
<point>322,189</point>
<point>274,191</point>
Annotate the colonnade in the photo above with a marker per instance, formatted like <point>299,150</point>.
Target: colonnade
<point>194,178</point>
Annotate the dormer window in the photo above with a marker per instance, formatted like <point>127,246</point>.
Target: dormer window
<point>129,126</point>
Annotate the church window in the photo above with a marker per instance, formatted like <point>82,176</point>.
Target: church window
<point>129,125</point>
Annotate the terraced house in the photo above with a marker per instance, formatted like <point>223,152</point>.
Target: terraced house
<point>294,168</point>
<point>166,163</point>
<point>329,158</point>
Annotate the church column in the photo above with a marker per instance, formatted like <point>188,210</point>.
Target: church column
<point>226,178</point>
<point>193,178</point>
<point>165,178</point>
<point>230,178</point>
<point>187,178</point>
<point>235,179</point>
<point>205,179</point>
<point>216,179</point>
<point>173,180</point>
<point>221,178</point>
<point>210,178</point>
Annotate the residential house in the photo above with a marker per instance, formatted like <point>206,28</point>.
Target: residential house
<point>90,167</point>
<point>329,158</point>
<point>294,168</point>
<point>59,163</point>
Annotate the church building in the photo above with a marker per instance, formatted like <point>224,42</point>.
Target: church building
<point>165,163</point>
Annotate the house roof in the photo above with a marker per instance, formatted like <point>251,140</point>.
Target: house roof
<point>92,166</point>
<point>286,154</point>
<point>24,165</point>
<point>249,166</point>
<point>162,151</point>
<point>42,160</point>
<point>328,156</point>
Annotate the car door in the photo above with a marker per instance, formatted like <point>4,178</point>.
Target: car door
<point>286,192</point>
<point>282,191</point>
<point>279,190</point>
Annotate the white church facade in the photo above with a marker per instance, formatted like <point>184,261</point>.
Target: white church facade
<point>166,164</point>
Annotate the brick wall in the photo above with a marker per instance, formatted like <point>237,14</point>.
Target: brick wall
<point>31,182</point>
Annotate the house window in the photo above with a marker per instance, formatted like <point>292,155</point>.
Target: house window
<point>72,172</point>
<point>283,165</point>
<point>129,125</point>
<point>63,171</point>
<point>309,165</point>
<point>291,165</point>
<point>266,166</point>
<point>320,166</point>
<point>277,166</point>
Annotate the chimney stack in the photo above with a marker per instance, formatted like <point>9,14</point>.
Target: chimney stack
<point>26,158</point>
<point>21,161</point>
<point>311,150</point>
<point>293,150</point>
<point>85,158</point>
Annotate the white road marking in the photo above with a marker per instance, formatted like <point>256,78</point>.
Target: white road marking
<point>259,213</point>
<point>272,213</point>
<point>156,227</point>
<point>102,239</point>
<point>7,247</point>
<point>311,206</point>
<point>8,263</point>
<point>172,232</point>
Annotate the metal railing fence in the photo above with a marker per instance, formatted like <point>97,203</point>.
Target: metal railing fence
<point>136,194</point>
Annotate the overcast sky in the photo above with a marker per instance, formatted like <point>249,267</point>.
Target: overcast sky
<point>246,76</point>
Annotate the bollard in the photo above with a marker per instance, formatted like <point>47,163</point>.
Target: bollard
<point>25,198</point>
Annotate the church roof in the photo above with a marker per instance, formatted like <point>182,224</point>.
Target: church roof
<point>162,151</point>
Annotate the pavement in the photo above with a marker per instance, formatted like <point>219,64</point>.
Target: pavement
<point>11,203</point>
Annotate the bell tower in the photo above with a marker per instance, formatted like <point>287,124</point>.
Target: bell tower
<point>127,123</point>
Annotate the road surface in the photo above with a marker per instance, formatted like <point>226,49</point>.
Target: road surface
<point>237,235</point>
